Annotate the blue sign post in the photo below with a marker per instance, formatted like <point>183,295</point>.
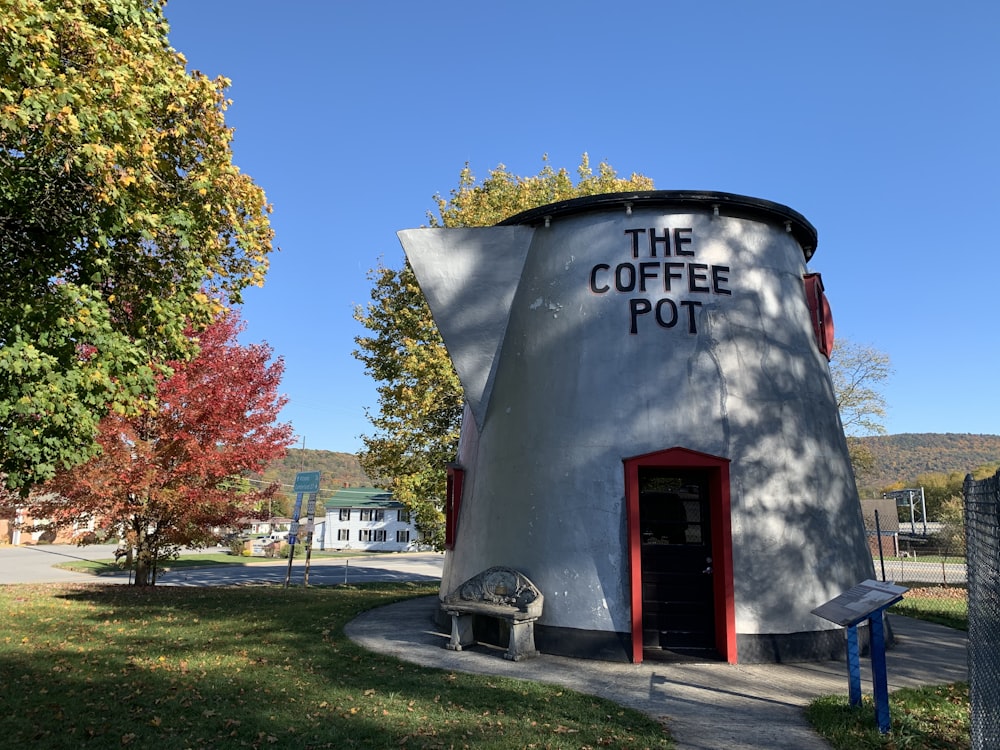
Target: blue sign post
<point>306,482</point>
<point>866,601</point>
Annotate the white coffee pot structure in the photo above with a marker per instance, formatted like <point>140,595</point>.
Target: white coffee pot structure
<point>651,433</point>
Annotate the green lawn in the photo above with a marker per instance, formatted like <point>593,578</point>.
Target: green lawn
<point>206,560</point>
<point>945,605</point>
<point>928,718</point>
<point>202,560</point>
<point>260,667</point>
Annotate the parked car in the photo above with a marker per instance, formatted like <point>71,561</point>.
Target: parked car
<point>273,537</point>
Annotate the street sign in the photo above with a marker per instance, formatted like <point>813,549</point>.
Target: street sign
<point>306,482</point>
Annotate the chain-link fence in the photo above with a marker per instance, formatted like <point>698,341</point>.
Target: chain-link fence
<point>927,557</point>
<point>982,529</point>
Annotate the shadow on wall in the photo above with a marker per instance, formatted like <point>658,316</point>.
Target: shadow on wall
<point>573,393</point>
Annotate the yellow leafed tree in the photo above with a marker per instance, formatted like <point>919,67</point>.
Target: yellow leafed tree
<point>123,221</point>
<point>420,397</point>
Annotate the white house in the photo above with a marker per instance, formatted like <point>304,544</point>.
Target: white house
<point>367,518</point>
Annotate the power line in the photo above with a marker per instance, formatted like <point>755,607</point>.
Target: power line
<point>337,490</point>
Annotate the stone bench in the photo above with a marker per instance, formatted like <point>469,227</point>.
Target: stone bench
<point>504,595</point>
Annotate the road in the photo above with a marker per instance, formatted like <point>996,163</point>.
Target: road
<point>34,564</point>
<point>910,571</point>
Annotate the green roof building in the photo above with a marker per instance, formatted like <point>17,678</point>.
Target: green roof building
<point>370,519</point>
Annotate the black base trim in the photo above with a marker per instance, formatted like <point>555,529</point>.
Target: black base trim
<point>751,648</point>
<point>817,645</point>
<point>602,645</point>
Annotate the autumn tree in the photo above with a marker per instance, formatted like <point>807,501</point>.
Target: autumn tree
<point>859,373</point>
<point>123,221</point>
<point>420,399</point>
<point>165,478</point>
<point>951,515</point>
<point>420,396</point>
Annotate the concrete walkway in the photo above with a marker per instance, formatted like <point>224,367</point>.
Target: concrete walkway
<point>707,706</point>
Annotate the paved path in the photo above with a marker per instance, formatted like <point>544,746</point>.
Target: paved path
<point>34,564</point>
<point>914,571</point>
<point>325,571</point>
<point>707,706</point>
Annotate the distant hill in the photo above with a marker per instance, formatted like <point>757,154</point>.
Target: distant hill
<point>336,470</point>
<point>898,458</point>
<point>902,458</point>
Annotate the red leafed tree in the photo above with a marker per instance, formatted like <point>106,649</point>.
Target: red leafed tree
<point>166,478</point>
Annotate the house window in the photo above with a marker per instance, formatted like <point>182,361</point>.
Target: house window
<point>378,535</point>
<point>345,514</point>
<point>343,535</point>
<point>403,537</point>
<point>364,535</point>
<point>372,515</point>
<point>403,516</point>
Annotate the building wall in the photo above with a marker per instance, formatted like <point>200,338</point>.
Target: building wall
<point>11,531</point>
<point>580,379</point>
<point>889,543</point>
<point>356,528</point>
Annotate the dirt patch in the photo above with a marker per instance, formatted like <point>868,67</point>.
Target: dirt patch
<point>939,592</point>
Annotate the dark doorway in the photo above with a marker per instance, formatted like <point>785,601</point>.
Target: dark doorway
<point>675,530</point>
<point>669,472</point>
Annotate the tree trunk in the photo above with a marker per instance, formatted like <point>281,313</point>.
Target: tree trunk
<point>145,556</point>
<point>142,572</point>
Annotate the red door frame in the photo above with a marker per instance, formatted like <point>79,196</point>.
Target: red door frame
<point>722,546</point>
<point>452,502</point>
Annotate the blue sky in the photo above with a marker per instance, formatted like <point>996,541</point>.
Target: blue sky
<point>878,121</point>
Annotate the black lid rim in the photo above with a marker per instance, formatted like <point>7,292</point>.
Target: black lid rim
<point>727,204</point>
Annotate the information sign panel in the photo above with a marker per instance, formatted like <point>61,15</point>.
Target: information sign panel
<point>858,603</point>
<point>868,600</point>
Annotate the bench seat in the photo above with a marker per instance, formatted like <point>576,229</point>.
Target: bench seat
<point>500,593</point>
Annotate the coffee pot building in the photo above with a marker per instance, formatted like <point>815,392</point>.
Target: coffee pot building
<point>651,433</point>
